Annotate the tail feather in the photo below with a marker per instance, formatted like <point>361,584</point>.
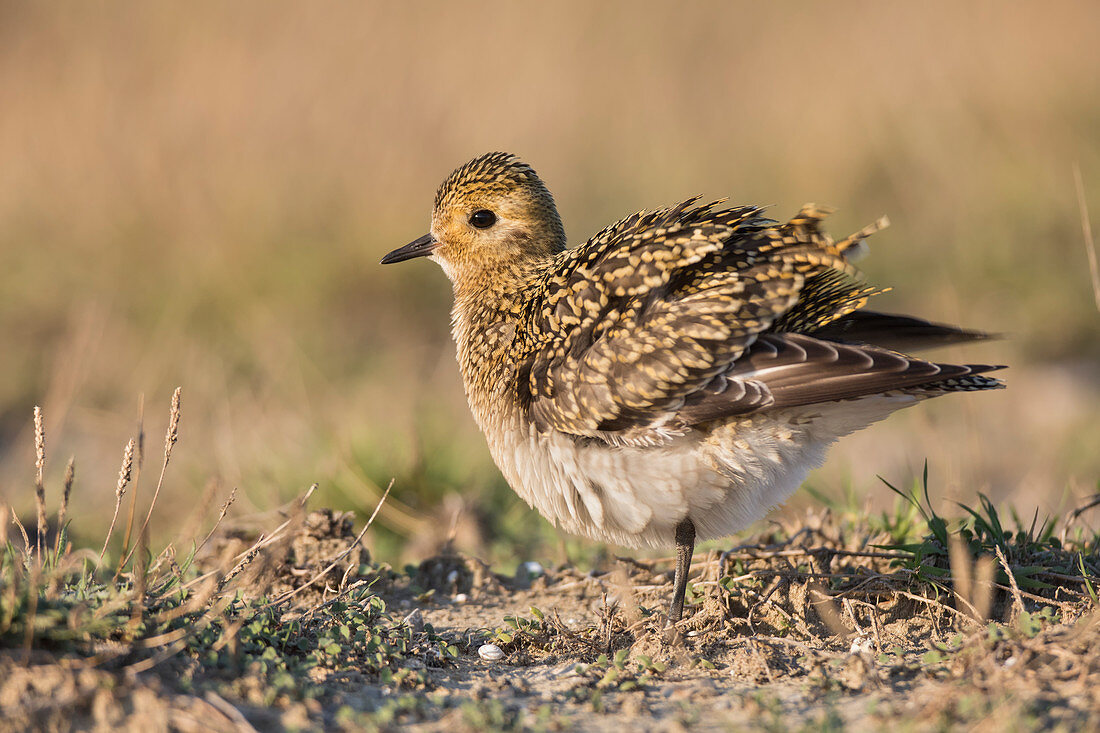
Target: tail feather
<point>896,332</point>
<point>970,383</point>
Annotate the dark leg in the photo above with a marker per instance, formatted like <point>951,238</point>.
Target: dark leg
<point>685,546</point>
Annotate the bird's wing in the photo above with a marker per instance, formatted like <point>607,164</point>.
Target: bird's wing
<point>790,369</point>
<point>655,311</point>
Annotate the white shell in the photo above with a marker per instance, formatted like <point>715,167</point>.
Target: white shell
<point>490,652</point>
<point>862,645</point>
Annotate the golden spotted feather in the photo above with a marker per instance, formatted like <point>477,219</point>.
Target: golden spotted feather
<point>690,314</point>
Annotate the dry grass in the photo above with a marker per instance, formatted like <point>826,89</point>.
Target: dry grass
<point>142,640</point>
<point>74,625</point>
<point>124,473</point>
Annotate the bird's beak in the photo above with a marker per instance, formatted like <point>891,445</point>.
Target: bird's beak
<point>419,248</point>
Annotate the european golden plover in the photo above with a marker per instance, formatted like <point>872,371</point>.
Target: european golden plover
<point>675,377</point>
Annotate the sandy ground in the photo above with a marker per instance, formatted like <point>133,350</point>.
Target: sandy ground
<point>814,630</point>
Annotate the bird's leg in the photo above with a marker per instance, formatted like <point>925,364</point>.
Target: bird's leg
<point>685,546</point>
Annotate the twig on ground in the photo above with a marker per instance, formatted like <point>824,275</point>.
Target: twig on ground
<point>932,603</point>
<point>1015,589</point>
<point>765,554</point>
<point>1017,602</point>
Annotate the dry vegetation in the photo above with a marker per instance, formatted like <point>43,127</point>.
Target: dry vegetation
<point>199,195</point>
<point>842,619</point>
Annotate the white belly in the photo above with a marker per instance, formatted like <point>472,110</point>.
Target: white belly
<point>723,478</point>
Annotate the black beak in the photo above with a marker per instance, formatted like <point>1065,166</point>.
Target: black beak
<point>418,248</point>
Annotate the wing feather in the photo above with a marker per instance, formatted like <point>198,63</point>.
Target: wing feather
<point>695,313</point>
<point>795,370</point>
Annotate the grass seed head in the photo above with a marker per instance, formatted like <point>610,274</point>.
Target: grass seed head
<point>39,443</point>
<point>70,476</point>
<point>39,465</point>
<point>172,435</point>
<point>126,469</point>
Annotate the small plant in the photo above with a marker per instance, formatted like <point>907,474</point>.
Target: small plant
<point>1033,554</point>
<point>491,715</point>
<point>615,673</point>
<point>527,633</point>
<point>53,595</point>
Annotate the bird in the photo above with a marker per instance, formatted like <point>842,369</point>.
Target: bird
<point>674,378</point>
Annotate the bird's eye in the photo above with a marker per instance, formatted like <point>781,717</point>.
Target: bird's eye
<point>483,218</point>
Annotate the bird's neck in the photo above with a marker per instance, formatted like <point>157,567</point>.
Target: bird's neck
<point>487,323</point>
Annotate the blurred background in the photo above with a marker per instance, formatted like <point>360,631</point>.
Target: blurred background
<point>198,195</point>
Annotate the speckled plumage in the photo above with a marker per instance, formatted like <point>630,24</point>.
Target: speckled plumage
<point>678,374</point>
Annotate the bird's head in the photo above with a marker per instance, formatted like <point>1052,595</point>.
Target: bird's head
<point>491,213</point>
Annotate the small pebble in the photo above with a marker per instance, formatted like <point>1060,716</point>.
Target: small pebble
<point>490,652</point>
<point>460,598</point>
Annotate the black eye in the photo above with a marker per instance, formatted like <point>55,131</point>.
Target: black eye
<point>483,218</point>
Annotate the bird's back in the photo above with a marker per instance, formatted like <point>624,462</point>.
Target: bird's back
<point>693,313</point>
